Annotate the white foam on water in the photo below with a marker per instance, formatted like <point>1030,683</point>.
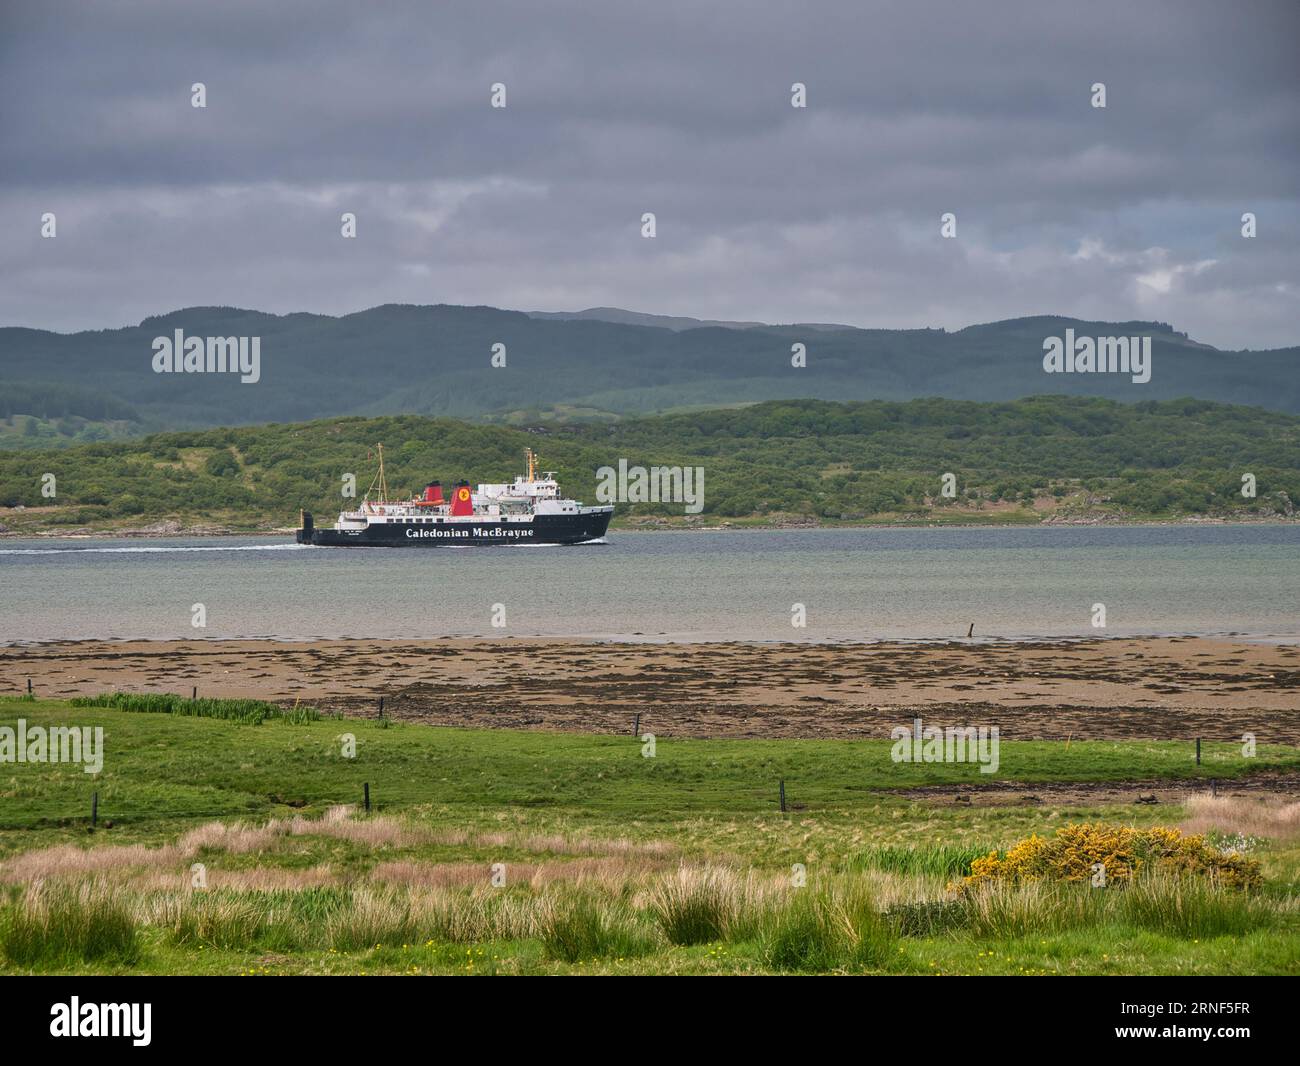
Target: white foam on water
<point>142,549</point>
<point>549,544</point>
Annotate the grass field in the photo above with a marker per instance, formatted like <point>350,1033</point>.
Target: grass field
<point>525,852</point>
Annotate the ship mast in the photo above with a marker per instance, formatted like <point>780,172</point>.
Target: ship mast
<point>532,464</point>
<point>379,480</point>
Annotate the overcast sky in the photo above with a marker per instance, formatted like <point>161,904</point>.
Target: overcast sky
<point>764,211</point>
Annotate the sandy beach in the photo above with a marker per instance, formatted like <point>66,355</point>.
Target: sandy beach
<point>1149,688</point>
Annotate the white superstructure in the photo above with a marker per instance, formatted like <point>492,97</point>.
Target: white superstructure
<point>517,501</point>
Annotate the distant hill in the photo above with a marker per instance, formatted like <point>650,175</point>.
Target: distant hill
<point>676,323</point>
<point>639,318</point>
<point>435,360</point>
<point>1049,457</point>
<point>673,322</point>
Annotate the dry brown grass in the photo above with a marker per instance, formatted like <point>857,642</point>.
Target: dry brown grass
<point>257,879</point>
<point>607,870</point>
<point>377,832</point>
<point>235,838</point>
<point>1263,817</point>
<point>610,862</point>
<point>610,871</point>
<point>68,860</point>
<point>556,844</point>
<point>444,874</point>
<point>241,838</point>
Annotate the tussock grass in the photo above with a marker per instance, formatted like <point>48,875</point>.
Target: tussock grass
<point>1002,910</point>
<point>218,918</point>
<point>383,915</point>
<point>576,926</point>
<point>835,925</point>
<point>825,929</point>
<point>478,916</point>
<point>241,919</point>
<point>701,904</point>
<point>1157,901</point>
<point>374,916</point>
<point>58,924</point>
<point>1190,907</point>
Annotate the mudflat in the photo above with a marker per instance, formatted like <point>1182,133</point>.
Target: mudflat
<point>1141,688</point>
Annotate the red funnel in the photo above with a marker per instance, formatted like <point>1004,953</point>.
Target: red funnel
<point>462,500</point>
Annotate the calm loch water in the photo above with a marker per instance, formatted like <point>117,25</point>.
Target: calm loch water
<point>861,584</point>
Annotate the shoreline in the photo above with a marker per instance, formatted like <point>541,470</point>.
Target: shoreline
<point>1116,688</point>
<point>1030,641</point>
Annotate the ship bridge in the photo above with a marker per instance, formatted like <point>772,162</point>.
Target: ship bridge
<point>526,488</point>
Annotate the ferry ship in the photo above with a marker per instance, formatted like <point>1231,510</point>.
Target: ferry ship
<point>530,510</point>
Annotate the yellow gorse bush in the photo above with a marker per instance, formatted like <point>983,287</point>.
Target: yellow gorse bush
<point>1122,850</point>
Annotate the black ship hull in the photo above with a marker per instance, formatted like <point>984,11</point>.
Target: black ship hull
<point>484,532</point>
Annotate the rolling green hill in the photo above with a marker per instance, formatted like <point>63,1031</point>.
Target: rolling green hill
<point>801,460</point>
<point>435,360</point>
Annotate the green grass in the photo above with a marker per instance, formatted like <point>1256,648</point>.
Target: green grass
<point>245,712</point>
<point>615,863</point>
<point>158,770</point>
<point>936,860</point>
<point>832,926</point>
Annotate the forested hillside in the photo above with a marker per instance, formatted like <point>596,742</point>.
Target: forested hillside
<point>59,389</point>
<point>801,460</point>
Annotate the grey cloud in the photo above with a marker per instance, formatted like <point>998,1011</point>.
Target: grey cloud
<point>764,212</point>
